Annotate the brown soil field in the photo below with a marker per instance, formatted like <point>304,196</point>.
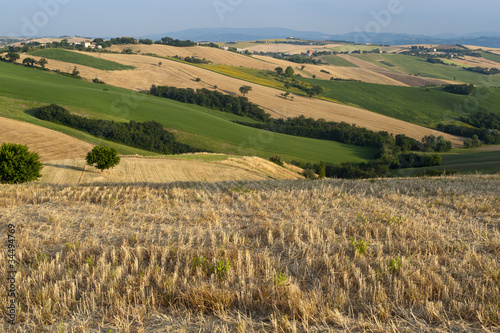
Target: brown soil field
<point>165,170</point>
<point>473,62</point>
<point>182,75</point>
<point>49,144</point>
<point>392,255</point>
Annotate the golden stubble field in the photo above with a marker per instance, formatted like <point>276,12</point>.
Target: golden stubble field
<point>394,255</point>
<point>136,169</point>
<point>182,75</point>
<point>49,144</point>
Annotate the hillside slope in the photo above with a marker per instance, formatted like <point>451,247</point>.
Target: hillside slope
<point>183,75</point>
<point>49,144</point>
<point>182,168</point>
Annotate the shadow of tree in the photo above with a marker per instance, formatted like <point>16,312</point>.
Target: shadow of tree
<point>61,166</point>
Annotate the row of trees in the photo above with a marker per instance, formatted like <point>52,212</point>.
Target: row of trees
<point>482,70</point>
<point>484,126</point>
<point>148,135</point>
<point>460,89</point>
<point>350,134</point>
<point>14,56</point>
<point>213,99</point>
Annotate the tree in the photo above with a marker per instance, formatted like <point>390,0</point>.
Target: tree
<point>42,62</point>
<point>102,157</point>
<point>245,89</point>
<point>289,71</point>
<point>322,170</point>
<point>12,56</point>
<point>278,70</point>
<point>159,64</point>
<point>75,73</point>
<point>29,61</point>
<point>18,165</point>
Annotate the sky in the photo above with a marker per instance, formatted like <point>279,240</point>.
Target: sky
<point>110,18</point>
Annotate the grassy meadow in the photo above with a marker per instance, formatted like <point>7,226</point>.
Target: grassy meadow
<point>485,160</point>
<point>424,106</point>
<point>491,56</point>
<point>28,86</point>
<point>80,59</point>
<point>396,255</point>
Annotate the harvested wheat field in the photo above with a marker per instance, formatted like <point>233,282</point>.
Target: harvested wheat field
<point>394,255</point>
<point>165,170</point>
<point>49,144</point>
<point>182,75</point>
<point>216,56</point>
<point>290,48</point>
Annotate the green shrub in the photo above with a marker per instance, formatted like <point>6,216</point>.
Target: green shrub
<point>18,165</point>
<point>103,157</point>
<point>277,159</point>
<point>309,174</point>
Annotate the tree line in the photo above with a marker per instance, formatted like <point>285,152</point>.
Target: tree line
<point>349,134</point>
<point>148,135</point>
<point>212,99</point>
<point>485,126</point>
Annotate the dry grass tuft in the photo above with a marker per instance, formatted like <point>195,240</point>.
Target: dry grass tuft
<point>396,255</point>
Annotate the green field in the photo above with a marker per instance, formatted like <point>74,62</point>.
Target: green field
<point>80,59</point>
<point>418,66</point>
<point>29,87</point>
<point>425,106</point>
<point>465,161</point>
<point>337,61</point>
<point>491,56</point>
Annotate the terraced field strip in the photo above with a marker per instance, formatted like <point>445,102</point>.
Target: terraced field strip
<point>165,170</point>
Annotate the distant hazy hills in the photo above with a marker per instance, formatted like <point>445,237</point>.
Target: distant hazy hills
<point>485,39</point>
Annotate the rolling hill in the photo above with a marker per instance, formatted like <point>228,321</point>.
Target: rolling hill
<point>34,87</point>
<point>180,74</point>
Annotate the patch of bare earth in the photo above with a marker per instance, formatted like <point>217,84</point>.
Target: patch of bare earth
<point>49,144</point>
<point>404,79</point>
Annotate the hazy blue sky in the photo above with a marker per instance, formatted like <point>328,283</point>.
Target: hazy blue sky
<point>137,18</point>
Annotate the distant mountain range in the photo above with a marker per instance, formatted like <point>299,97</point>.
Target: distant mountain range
<point>484,39</point>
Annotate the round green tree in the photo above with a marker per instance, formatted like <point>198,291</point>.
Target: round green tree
<point>103,157</point>
<point>18,165</point>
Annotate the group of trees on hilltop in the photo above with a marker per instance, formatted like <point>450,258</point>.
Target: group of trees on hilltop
<point>238,105</point>
<point>460,89</point>
<point>14,56</point>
